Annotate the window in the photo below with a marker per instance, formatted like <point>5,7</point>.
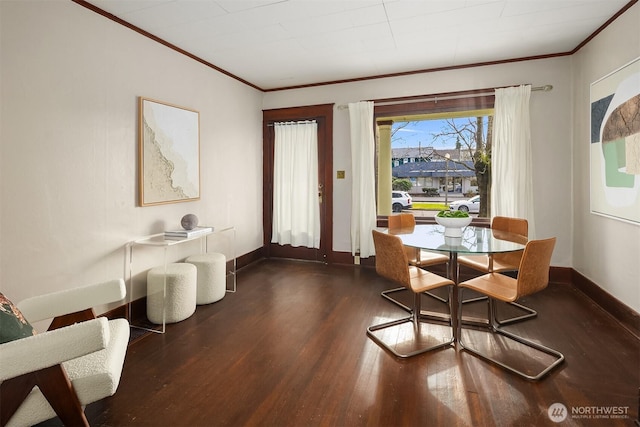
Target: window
<point>454,163</point>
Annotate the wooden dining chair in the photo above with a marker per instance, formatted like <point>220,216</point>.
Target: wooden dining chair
<point>533,277</point>
<point>406,222</point>
<point>502,262</point>
<point>392,264</point>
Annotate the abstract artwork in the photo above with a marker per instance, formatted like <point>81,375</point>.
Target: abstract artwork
<point>169,153</point>
<point>615,144</point>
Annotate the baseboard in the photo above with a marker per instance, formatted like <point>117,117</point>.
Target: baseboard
<point>624,314</point>
<point>120,312</point>
<point>561,275</point>
<point>348,259</point>
<point>249,258</point>
<point>341,258</point>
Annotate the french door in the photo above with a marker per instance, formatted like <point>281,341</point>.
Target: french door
<point>323,115</point>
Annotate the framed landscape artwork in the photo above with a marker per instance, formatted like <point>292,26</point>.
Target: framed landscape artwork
<point>168,153</point>
<point>615,144</point>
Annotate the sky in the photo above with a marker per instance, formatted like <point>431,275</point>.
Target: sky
<point>419,134</point>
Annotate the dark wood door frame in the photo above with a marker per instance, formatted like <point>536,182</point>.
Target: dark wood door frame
<point>323,115</point>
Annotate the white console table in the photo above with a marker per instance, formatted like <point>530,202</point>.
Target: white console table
<point>158,241</point>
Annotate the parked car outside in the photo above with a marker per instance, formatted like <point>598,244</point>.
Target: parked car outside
<point>472,205</point>
<point>400,200</point>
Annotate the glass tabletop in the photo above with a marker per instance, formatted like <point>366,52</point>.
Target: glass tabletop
<point>474,240</point>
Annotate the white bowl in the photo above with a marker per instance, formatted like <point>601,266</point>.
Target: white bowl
<point>453,226</point>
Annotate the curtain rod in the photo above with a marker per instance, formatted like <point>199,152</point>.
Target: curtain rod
<point>545,88</point>
<point>300,122</point>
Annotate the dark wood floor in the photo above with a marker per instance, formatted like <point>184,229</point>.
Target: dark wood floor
<point>290,349</point>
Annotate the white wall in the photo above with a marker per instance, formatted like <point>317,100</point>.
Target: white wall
<point>70,82</point>
<point>68,146</point>
<point>550,121</point>
<point>606,251</point>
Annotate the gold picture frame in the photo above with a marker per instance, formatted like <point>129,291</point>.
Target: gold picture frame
<point>168,153</point>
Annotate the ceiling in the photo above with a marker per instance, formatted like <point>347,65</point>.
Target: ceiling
<point>275,44</point>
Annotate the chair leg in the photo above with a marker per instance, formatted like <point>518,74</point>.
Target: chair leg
<point>417,307</point>
<point>432,295</point>
<point>437,297</point>
<point>387,295</point>
<point>495,329</point>
<point>55,386</point>
<point>415,320</point>
<point>12,393</point>
<point>530,314</point>
<point>432,315</point>
<point>477,299</point>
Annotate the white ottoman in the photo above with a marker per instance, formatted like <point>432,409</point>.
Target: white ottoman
<point>212,273</point>
<point>180,301</point>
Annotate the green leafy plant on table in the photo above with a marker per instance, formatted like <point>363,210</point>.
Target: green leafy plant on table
<point>453,214</point>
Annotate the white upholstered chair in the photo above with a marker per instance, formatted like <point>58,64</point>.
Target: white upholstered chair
<point>76,362</point>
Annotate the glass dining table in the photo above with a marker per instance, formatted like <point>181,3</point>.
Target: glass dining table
<point>474,241</point>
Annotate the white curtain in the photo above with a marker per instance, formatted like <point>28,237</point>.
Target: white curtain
<point>296,207</point>
<point>363,194</point>
<point>511,163</point>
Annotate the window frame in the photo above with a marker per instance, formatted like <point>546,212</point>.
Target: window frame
<point>449,102</point>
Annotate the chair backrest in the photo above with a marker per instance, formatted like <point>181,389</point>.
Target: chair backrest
<point>512,225</point>
<point>533,275</point>
<point>391,259</point>
<point>401,221</point>
<point>404,222</point>
<point>517,226</point>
